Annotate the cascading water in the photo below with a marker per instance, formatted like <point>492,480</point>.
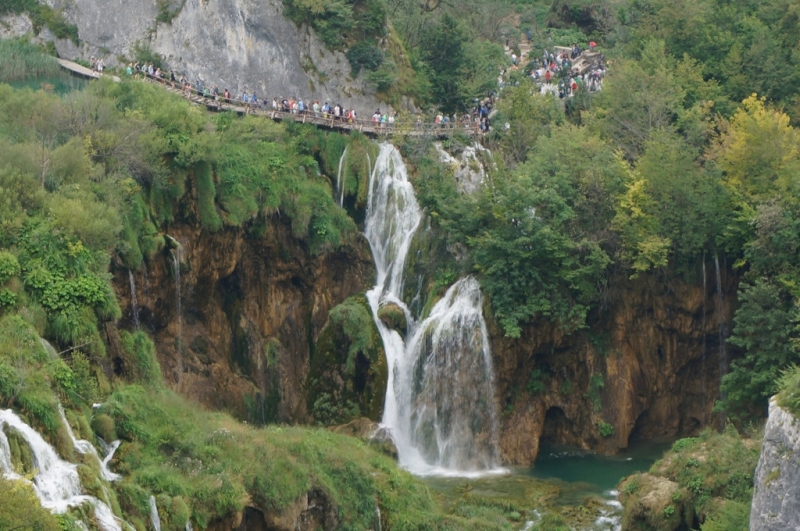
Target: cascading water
<point>154,519</point>
<point>703,366</point>
<point>176,273</point>
<point>57,484</point>
<point>87,448</point>
<point>134,302</point>
<point>723,355</point>
<point>439,399</point>
<point>339,183</point>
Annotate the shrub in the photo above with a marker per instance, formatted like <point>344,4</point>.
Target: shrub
<point>141,363</point>
<point>606,429</point>
<point>206,194</point>
<point>103,426</point>
<point>365,55</point>
<point>789,386</point>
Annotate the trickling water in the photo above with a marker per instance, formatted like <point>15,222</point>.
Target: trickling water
<point>378,525</point>
<point>51,351</point>
<point>110,450</point>
<point>439,398</point>
<point>134,302</point>
<point>189,526</point>
<point>703,365</point>
<point>85,447</point>
<point>154,519</point>
<point>723,355</point>
<point>339,183</point>
<point>176,273</point>
<point>57,484</point>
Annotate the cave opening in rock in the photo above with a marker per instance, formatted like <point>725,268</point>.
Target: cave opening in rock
<point>642,429</point>
<point>557,427</point>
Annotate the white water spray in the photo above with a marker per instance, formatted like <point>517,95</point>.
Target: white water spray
<point>87,448</point>
<point>154,519</point>
<point>440,398</point>
<point>57,484</point>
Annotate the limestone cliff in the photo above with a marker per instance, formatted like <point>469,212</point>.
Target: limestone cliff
<point>648,367</point>
<point>235,315</point>
<point>235,44</point>
<point>776,500</point>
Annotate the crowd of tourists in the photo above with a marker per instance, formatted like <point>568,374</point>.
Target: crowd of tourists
<point>557,72</point>
<point>554,72</point>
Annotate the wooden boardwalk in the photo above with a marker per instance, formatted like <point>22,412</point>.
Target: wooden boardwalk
<point>368,127</point>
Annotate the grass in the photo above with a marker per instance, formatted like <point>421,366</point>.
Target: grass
<point>22,60</point>
<point>215,466</point>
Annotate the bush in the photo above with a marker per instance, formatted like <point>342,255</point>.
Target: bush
<point>140,361</point>
<point>103,426</point>
<point>20,508</point>
<point>206,194</point>
<point>364,55</point>
<point>606,429</point>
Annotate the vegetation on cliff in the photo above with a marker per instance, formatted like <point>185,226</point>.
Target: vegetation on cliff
<point>704,482</point>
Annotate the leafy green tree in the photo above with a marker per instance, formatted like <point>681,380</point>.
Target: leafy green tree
<point>443,48</point>
<point>765,329</point>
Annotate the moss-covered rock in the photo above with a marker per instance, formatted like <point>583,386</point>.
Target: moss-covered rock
<point>103,426</point>
<point>348,373</point>
<point>699,480</point>
<point>21,456</point>
<point>394,317</point>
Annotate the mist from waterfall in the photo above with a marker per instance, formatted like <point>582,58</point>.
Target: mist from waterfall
<point>440,404</point>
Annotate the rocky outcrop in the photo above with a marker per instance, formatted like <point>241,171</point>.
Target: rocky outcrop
<point>648,366</point>
<point>776,500</point>
<point>235,44</point>
<point>235,315</point>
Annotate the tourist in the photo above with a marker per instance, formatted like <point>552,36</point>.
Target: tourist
<point>315,107</point>
<point>129,70</point>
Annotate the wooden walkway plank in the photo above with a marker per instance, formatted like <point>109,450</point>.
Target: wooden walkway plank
<point>365,126</point>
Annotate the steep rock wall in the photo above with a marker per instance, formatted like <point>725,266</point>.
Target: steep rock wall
<point>251,310</point>
<point>776,499</point>
<point>234,44</point>
<point>648,367</point>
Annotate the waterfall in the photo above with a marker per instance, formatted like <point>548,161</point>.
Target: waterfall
<point>134,302</point>
<point>110,450</point>
<point>51,351</point>
<point>57,484</point>
<point>723,355</point>
<point>450,392</point>
<point>189,525</point>
<point>154,519</point>
<point>176,273</point>
<point>703,362</point>
<point>440,398</point>
<point>87,448</point>
<point>339,182</point>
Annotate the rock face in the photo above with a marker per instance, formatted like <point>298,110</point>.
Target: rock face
<point>648,367</point>
<point>236,316</point>
<point>235,44</point>
<point>776,500</point>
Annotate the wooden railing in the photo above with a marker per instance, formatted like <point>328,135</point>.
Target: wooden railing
<point>320,119</point>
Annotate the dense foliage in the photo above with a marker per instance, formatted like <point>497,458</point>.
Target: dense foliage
<point>706,480</point>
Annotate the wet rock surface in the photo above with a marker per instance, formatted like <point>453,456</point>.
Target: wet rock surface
<point>251,311</point>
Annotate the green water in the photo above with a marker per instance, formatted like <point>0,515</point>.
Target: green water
<point>579,473</point>
<point>576,484</point>
<point>62,83</point>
